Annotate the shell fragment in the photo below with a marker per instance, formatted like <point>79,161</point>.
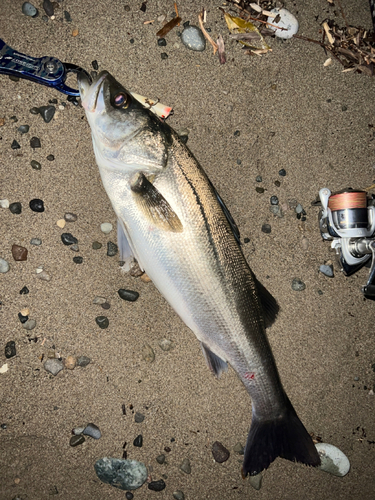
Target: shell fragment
<point>287,21</point>
<point>333,460</point>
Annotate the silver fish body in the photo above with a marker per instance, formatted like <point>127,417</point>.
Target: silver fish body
<point>181,234</point>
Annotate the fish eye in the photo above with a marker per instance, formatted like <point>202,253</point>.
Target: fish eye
<point>121,100</point>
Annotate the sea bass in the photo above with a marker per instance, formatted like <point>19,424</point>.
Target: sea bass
<point>174,223</point>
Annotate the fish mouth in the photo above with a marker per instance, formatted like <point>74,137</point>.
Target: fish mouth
<point>90,92</point>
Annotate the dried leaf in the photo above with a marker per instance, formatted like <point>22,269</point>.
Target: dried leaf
<point>239,25</point>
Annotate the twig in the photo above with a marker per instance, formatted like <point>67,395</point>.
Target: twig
<point>176,9</point>
<point>214,45</point>
<point>342,13</point>
<point>327,47</point>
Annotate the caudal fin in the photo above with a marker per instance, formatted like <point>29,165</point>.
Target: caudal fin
<point>284,437</point>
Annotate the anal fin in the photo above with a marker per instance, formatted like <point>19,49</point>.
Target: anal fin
<point>269,304</point>
<point>214,362</point>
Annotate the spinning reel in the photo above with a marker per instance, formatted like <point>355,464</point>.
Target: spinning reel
<point>347,219</point>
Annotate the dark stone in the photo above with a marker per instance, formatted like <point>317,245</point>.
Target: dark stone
<point>83,361</point>
<point>102,322</point>
<point>246,240</point>
<point>36,165</point>
<point>95,65</point>
<point>239,162</point>
<point>237,133</point>
<point>14,118</point>
<point>36,205</point>
<point>34,111</point>
<point>164,55</point>
<point>50,157</point>
<point>14,78</point>
<point>67,17</point>
<point>274,200</point>
<point>143,6</point>
<point>23,129</point>
<point>344,108</point>
<point>73,100</point>
<point>35,142</point>
<point>186,24</point>
<point>156,485</point>
<point>266,228</point>
<point>96,245</point>
<point>78,259</point>
<point>53,101</point>
<point>298,285</point>
<point>131,40</point>
<point>106,306</point>
<point>127,8</point>
<point>277,184</point>
<point>129,495</point>
<point>138,417</point>
<point>10,349</point>
<point>15,208</point>
<point>138,441</point>
<point>22,318</point>
<point>167,449</point>
<point>259,190</point>
<point>258,178</point>
<point>24,290</point>
<point>282,172</point>
<point>162,42</point>
<point>77,440</point>
<point>15,145</point>
<point>184,138</point>
<point>219,452</point>
<point>19,253</point>
<point>68,239</point>
<point>48,7</point>
<point>112,249</point>
<point>160,459</point>
<point>129,295</point>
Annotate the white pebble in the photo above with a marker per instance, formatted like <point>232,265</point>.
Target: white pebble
<point>4,266</point>
<point>4,368</point>
<point>106,227</point>
<point>333,460</point>
<point>287,20</point>
<point>4,203</point>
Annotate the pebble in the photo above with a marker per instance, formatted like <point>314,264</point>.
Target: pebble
<point>286,21</point>
<point>139,417</point>
<point>148,353</point>
<point>157,485</point>
<point>42,275</point>
<point>53,366</point>
<point>23,129</point>
<point>238,448</point>
<point>282,172</point>
<point>259,190</point>
<point>219,452</point>
<point>102,322</point>
<point>277,183</point>
<point>69,217</point>
<point>4,368</point>
<point>298,285</point>
<point>83,361</point>
<point>138,441</point>
<point>275,209</point>
<point>124,474</point>
<point>162,42</point>
<point>61,223</point>
<point>332,459</point>
<point>4,266</point>
<point>258,178</point>
<point>99,300</point>
<point>19,253</point>
<point>77,431</point>
<point>274,200</point>
<point>36,165</point>
<point>70,362</point>
<point>15,145</point>
<point>47,112</point>
<point>10,349</point>
<point>48,7</point>
<point>29,10</point>
<point>67,17</point>
<point>299,209</point>
<point>160,459</point>
<point>30,324</point>
<point>35,142</point>
<point>327,270</point>
<point>74,247</point>
<point>192,37</point>
<point>25,311</point>
<point>77,440</point>
<point>256,481</point>
<point>106,305</point>
<point>93,431</point>
<point>4,203</point>
<point>23,318</point>
<point>34,111</point>
<point>95,65</point>
<point>145,278</point>
<point>75,32</point>
<point>128,295</point>
<point>15,208</point>
<point>24,290</point>
<point>185,466</point>
<point>164,56</point>
<point>96,245</point>
<point>36,241</point>
<point>305,243</point>
<point>129,495</point>
<point>68,239</point>
<point>50,158</point>
<point>106,227</point>
<point>266,228</point>
<point>78,259</point>
<point>112,249</point>
<point>36,205</point>
<point>178,495</point>
<point>166,345</point>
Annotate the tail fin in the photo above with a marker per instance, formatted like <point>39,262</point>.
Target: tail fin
<point>284,437</point>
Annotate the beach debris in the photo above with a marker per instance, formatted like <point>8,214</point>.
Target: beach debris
<point>241,29</point>
<point>283,19</point>
<point>168,27</point>
<point>333,460</point>
<point>221,50</point>
<point>202,19</point>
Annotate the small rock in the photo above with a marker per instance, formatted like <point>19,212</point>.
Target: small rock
<point>69,217</point>
<point>61,223</point>
<point>238,448</point>
<point>185,466</point>
<point>129,495</point>
<point>30,324</point>
<point>112,249</point>
<point>123,474</point>
<point>15,208</point>
<point>166,345</point>
<point>36,242</point>
<point>157,485</point>
<point>299,208</point>
<point>74,248</point>
<point>4,203</point>
<point>23,129</point>
<point>148,353</point>
<point>332,459</point>
<point>106,227</point>
<point>305,243</point>
<point>4,368</point>
<point>282,172</point>
<point>77,440</point>
<point>35,143</point>
<point>43,275</point>
<point>10,349</point>
<point>34,111</point>
<point>75,32</point>
<point>24,290</point>
<point>327,270</point>
<point>77,431</point>
<point>83,361</point>
<point>67,17</point>
<point>106,305</point>
<point>29,10</point>
<point>47,112</point>
<point>162,42</point>
<point>258,178</point>
<point>266,228</point>
<point>164,56</point>
<point>138,441</point>
<point>275,209</point>
<point>139,417</point>
<point>274,200</point>
<point>50,158</point>
<point>219,452</point>
<point>128,295</point>
<point>48,7</point>
<point>277,183</point>
<point>53,366</point>
<point>23,318</point>
<point>256,481</point>
<point>78,260</point>
<point>68,239</point>
<point>19,253</point>
<point>25,311</point>
<point>36,165</point>
<point>93,431</point>
<point>178,495</point>
<point>298,285</point>
<point>160,459</point>
<point>70,362</point>
<point>96,245</point>
<point>192,37</point>
<point>36,205</point>
<point>145,278</point>
<point>259,190</point>
<point>95,65</point>
<point>99,300</point>
<point>4,266</point>
<point>102,322</point>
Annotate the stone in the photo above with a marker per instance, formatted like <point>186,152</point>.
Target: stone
<point>95,65</point>
<point>266,228</point>
<point>96,245</point>
<point>83,361</point>
<point>47,112</point>
<point>298,285</point>
<point>112,249</point>
<point>50,158</point>
<point>284,19</point>
<point>23,318</point>
<point>70,362</point>
<point>129,495</point>
<point>138,441</point>
<point>164,56</point>
<point>77,431</point>
<point>178,495</point>
<point>4,266</point>
<point>74,247</point>
<point>93,431</point>
<point>327,270</point>
<point>128,295</point>
<point>106,305</point>
<point>61,223</point>
<point>299,208</point>
<point>157,485</point>
<point>35,143</point>
<point>36,241</point>
<point>259,190</point>
<point>68,239</point>
<point>166,345</point>
<point>78,259</point>
<point>43,275</point>
<point>30,324</point>
<point>99,300</point>
<point>34,111</point>
<point>162,42</point>
<point>219,452</point>
<point>256,481</point>
<point>122,474</point>
<point>35,165</point>
<point>160,459</point>
<point>24,290</point>
<point>19,253</point>
<point>139,417</point>
<point>282,172</point>
<point>332,459</point>
<point>238,448</point>
<point>67,17</point>
<point>258,178</point>
<point>102,322</point>
<point>148,354</point>
<point>77,440</point>
<point>48,7</point>
<point>4,203</point>
<point>69,217</point>
<point>10,349</point>
<point>36,205</point>
<point>185,466</point>
<point>106,227</point>
<point>23,129</point>
<point>193,38</point>
<point>274,200</point>
<point>15,208</point>
<point>53,366</point>
<point>29,10</point>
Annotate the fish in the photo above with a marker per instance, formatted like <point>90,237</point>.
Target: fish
<point>174,224</point>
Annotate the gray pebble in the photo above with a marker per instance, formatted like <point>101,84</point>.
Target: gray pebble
<point>68,239</point>
<point>275,209</point>
<point>4,266</point>
<point>298,285</point>
<point>326,270</point>
<point>36,241</point>
<point>69,217</point>
<point>29,10</point>
<point>23,129</point>
<point>93,431</point>
<point>138,417</point>
<point>48,7</point>
<point>74,247</point>
<point>299,208</point>
<point>266,228</point>
<point>96,245</point>
<point>10,349</point>
<point>47,112</point>
<point>36,165</point>
<point>99,300</point>
<point>30,324</point>
<point>129,495</point>
<point>83,361</point>
<point>53,366</point>
<point>192,37</point>
<point>219,452</point>
<point>67,17</point>
<point>258,178</point>
<point>77,431</point>
<point>112,249</point>
<point>43,276</point>
<point>238,448</point>
<point>178,495</point>
<point>15,208</point>
<point>160,459</point>
<point>77,440</point>
<point>274,200</point>
<point>123,474</point>
<point>185,466</point>
<point>256,481</point>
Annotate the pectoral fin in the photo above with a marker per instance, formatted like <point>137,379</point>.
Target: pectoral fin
<point>269,304</point>
<point>215,364</point>
<point>126,253</point>
<point>154,206</point>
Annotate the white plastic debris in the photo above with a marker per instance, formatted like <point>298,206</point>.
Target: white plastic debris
<point>333,460</point>
<point>287,21</point>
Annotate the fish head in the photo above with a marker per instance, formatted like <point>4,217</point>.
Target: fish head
<point>126,135</point>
